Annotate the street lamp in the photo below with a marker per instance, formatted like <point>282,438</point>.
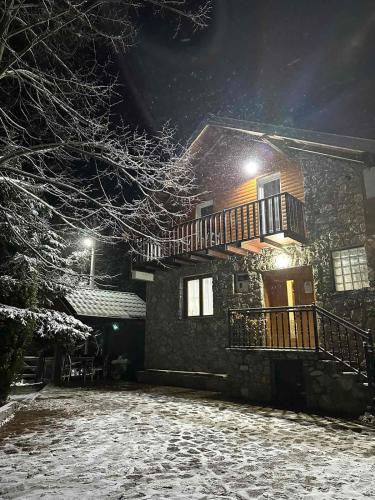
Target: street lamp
<point>90,243</point>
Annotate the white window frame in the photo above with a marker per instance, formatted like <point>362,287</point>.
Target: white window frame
<point>264,180</point>
<point>202,303</point>
<point>261,181</point>
<point>204,204</point>
<point>354,275</point>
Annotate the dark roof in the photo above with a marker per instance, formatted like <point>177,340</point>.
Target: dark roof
<point>106,304</point>
<point>353,148</point>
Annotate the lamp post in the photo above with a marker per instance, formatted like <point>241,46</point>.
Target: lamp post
<point>90,243</point>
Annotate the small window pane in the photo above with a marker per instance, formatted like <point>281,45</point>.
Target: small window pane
<point>208,306</point>
<point>350,269</point>
<point>193,297</point>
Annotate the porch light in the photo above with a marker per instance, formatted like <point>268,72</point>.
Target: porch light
<point>115,327</point>
<point>282,260</point>
<point>251,167</point>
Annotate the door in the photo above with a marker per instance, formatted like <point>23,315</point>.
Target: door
<point>288,383</point>
<point>289,287</point>
<point>269,209</point>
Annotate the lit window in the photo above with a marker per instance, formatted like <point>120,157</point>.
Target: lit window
<point>350,269</point>
<point>199,296</point>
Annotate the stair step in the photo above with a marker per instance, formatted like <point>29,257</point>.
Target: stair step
<point>28,375</point>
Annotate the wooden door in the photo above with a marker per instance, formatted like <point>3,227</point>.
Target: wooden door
<point>289,287</point>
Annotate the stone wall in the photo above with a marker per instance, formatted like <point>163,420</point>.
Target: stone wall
<point>335,219</point>
<point>251,375</point>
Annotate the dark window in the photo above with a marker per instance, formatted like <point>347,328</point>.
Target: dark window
<point>207,210</point>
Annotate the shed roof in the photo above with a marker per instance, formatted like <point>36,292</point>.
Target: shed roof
<point>107,304</point>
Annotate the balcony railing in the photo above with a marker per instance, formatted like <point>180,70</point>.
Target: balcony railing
<point>280,213</point>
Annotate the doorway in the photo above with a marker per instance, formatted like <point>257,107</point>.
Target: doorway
<point>269,207</point>
<point>288,383</point>
<point>288,288</point>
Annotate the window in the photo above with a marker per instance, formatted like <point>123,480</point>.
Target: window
<point>204,208</point>
<point>199,296</point>
<point>350,269</point>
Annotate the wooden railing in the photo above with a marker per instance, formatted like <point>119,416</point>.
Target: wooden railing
<point>281,213</point>
<point>307,327</point>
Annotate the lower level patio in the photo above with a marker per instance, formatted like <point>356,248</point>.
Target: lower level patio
<point>169,443</point>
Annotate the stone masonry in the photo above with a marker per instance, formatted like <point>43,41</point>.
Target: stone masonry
<point>335,219</point>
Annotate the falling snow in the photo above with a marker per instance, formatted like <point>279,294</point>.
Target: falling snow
<point>164,443</point>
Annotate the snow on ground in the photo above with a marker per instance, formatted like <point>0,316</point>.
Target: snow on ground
<point>169,443</point>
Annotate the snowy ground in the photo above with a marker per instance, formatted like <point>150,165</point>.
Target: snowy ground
<point>165,443</point>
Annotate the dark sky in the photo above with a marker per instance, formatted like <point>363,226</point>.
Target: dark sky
<point>303,63</point>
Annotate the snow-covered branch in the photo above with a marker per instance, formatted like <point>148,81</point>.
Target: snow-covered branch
<point>48,324</point>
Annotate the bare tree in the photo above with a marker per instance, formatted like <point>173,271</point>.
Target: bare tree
<point>65,168</point>
<point>60,153</point>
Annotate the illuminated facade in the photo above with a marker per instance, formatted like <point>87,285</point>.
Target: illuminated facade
<point>270,283</point>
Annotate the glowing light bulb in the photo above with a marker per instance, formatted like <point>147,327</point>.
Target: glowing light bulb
<point>282,260</point>
<point>88,242</point>
<point>251,167</point>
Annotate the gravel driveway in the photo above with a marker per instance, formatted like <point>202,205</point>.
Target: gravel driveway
<point>170,443</point>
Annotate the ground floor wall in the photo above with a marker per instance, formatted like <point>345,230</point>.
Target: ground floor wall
<point>308,382</point>
<point>175,342</point>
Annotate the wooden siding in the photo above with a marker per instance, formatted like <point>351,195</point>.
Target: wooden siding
<point>291,179</point>
<point>219,166</point>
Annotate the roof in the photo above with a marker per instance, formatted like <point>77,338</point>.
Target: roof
<point>354,148</point>
<point>107,304</point>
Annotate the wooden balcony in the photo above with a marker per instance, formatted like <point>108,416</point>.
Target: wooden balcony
<point>277,220</point>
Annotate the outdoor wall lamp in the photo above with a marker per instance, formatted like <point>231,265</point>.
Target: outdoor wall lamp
<point>282,260</point>
<point>251,167</point>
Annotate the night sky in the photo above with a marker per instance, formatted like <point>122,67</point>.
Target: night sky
<point>303,63</point>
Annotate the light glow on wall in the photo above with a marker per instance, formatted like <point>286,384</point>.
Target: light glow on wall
<point>251,167</point>
<point>282,260</point>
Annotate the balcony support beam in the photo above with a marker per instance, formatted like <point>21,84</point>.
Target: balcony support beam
<point>273,243</point>
<point>217,254</point>
<point>230,249</point>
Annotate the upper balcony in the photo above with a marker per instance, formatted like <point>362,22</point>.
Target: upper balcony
<point>272,221</point>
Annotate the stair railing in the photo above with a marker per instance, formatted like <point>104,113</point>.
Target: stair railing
<point>307,327</point>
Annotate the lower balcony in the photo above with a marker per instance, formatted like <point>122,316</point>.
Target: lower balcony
<point>274,221</point>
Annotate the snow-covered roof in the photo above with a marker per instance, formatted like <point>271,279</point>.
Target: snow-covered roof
<point>290,138</point>
<point>107,304</point>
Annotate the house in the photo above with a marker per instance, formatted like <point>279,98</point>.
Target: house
<point>267,290</point>
<point>118,320</point>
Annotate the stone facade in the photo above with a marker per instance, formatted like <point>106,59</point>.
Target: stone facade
<point>326,388</point>
<point>335,219</point>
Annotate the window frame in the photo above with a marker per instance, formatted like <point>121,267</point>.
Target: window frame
<point>201,277</point>
<point>334,276</point>
<point>203,204</point>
